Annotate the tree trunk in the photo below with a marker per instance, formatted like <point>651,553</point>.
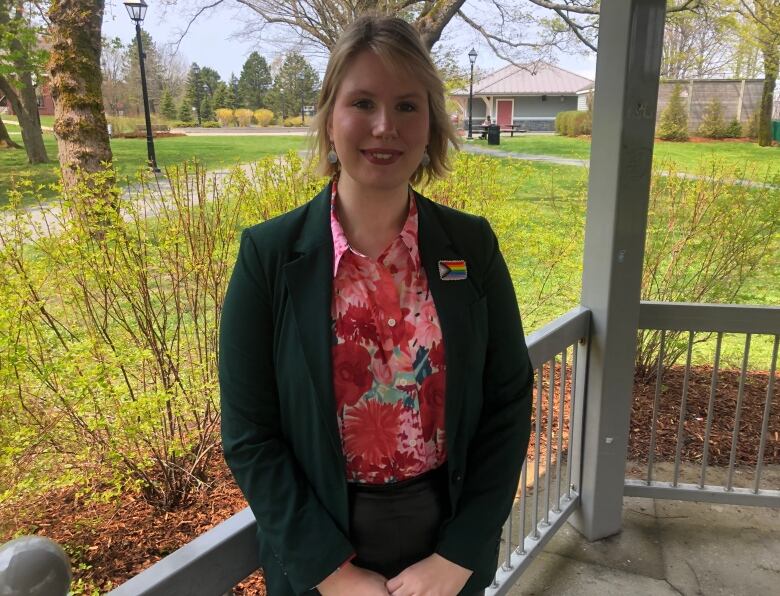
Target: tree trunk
<point>771,68</point>
<point>79,119</point>
<point>29,121</point>
<point>6,142</point>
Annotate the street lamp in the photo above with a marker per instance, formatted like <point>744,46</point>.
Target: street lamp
<point>137,11</point>
<point>281,93</point>
<point>472,59</point>
<point>301,79</point>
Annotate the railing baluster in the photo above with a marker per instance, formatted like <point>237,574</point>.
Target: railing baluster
<point>683,411</point>
<point>548,458</point>
<point>539,398</point>
<point>740,394</point>
<point>656,401</point>
<point>765,420</point>
<point>509,546</point>
<point>710,411</point>
<point>559,452</point>
<point>523,484</point>
<point>570,442</point>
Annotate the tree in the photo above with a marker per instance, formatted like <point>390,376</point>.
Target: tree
<point>765,16</point>
<point>155,78</point>
<point>194,91</point>
<point>296,84</point>
<point>21,61</point>
<point>207,109</point>
<point>234,97</point>
<point>254,81</point>
<point>74,70</point>
<point>167,107</point>
<point>674,119</point>
<point>113,65</point>
<point>185,111</point>
<point>210,80</point>
<point>221,97</point>
<point>6,142</point>
<point>713,125</point>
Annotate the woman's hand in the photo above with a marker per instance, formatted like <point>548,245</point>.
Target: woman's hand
<point>433,576</point>
<point>350,579</point>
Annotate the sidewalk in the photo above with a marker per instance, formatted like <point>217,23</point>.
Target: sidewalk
<point>666,548</point>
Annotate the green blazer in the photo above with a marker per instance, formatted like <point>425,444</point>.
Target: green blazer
<point>279,429</point>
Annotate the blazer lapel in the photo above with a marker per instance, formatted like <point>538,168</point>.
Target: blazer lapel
<point>452,300</point>
<point>310,284</point>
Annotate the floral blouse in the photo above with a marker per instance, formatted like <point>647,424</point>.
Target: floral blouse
<point>388,359</point>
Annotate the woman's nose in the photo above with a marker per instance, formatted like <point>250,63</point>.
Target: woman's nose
<point>384,123</point>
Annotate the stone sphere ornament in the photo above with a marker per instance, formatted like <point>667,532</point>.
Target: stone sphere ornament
<point>34,566</point>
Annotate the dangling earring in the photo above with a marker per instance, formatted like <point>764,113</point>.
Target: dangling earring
<point>332,156</point>
<point>426,159</point>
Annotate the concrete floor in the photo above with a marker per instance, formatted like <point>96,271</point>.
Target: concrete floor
<point>666,547</point>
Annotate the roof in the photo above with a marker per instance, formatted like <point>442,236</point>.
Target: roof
<point>540,78</point>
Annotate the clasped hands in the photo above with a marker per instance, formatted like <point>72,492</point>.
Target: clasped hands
<point>433,576</point>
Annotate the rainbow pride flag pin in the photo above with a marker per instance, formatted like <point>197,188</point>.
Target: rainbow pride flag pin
<point>452,270</point>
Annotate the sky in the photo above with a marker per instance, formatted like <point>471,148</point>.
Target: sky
<point>213,40</point>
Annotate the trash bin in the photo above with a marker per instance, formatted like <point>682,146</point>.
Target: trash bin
<point>494,134</point>
<point>776,130</point>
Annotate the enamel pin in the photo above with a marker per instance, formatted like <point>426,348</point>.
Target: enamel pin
<point>452,270</point>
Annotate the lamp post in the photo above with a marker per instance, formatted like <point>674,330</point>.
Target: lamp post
<point>137,11</point>
<point>301,80</point>
<point>472,59</point>
<point>281,94</point>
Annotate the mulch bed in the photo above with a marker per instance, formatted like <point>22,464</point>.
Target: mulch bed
<point>111,542</point>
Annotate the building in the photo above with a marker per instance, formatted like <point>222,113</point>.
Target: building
<point>45,102</point>
<point>528,97</point>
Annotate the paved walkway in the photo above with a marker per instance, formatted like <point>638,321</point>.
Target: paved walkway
<point>562,161</point>
<point>666,548</point>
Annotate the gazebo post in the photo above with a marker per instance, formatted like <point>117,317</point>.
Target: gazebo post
<point>627,71</point>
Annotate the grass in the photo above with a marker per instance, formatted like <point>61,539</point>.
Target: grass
<point>688,156</point>
<point>130,156</point>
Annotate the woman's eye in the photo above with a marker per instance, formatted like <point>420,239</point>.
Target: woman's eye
<point>362,104</point>
<point>407,107</point>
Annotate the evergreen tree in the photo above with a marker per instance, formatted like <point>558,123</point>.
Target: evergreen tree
<point>210,80</point>
<point>155,77</point>
<point>254,81</point>
<point>207,109</point>
<point>167,107</point>
<point>185,111</point>
<point>296,84</point>
<point>713,125</point>
<point>193,96</point>
<point>674,118</point>
<point>221,98</point>
<point>234,100</point>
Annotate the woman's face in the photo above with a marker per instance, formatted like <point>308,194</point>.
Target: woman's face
<point>379,125</point>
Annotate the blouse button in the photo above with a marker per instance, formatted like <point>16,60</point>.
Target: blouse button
<point>391,322</point>
<point>413,443</point>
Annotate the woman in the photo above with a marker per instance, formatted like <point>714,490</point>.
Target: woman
<point>375,383</point>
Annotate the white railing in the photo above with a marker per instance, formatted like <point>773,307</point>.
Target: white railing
<point>689,325</point>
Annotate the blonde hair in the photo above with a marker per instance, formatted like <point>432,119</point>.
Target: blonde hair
<point>399,46</point>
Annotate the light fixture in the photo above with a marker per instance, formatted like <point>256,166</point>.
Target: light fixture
<point>136,9</point>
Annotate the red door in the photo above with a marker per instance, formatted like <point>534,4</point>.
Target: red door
<point>504,108</point>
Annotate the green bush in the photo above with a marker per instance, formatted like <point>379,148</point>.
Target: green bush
<point>713,125</point>
<point>573,123</point>
<point>706,237</point>
<point>673,125</point>
<point>211,124</point>
<point>752,129</point>
<point>733,130</point>
<point>178,124</point>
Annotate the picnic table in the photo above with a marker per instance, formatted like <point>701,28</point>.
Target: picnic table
<point>481,130</point>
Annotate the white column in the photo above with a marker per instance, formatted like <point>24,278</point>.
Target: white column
<point>627,71</point>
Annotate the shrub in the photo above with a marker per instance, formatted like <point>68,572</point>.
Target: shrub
<point>225,116</point>
<point>211,124</point>
<point>182,124</point>
<point>293,121</point>
<point>733,130</point>
<point>706,236</point>
<point>573,123</point>
<point>263,117</point>
<point>673,125</point>
<point>713,126</point>
<point>243,116</point>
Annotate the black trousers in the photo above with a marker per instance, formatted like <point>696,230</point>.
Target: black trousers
<point>393,526</point>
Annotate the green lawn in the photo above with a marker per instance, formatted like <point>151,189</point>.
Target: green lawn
<point>130,155</point>
<point>688,156</point>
